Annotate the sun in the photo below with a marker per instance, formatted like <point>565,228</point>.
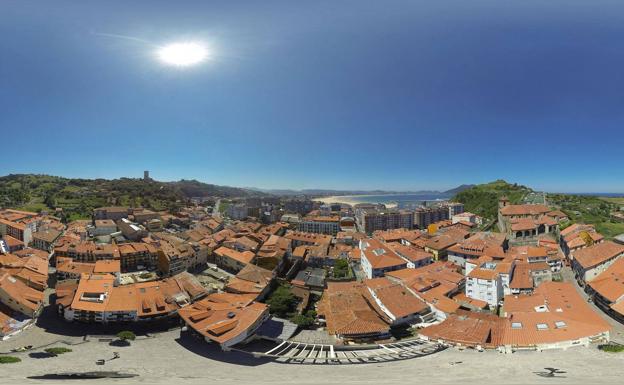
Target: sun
<point>182,54</point>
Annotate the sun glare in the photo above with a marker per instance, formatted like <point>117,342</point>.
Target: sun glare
<point>183,54</point>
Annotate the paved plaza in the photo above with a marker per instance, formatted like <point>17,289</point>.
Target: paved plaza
<point>168,358</point>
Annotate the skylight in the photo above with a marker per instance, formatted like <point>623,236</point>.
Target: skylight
<point>542,327</point>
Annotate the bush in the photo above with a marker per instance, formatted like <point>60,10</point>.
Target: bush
<point>341,268</point>
<point>282,302</point>
<point>57,351</point>
<point>9,360</point>
<point>126,335</point>
<point>611,348</point>
<point>303,321</point>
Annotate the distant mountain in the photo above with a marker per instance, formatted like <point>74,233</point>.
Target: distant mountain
<point>329,192</point>
<point>459,189</point>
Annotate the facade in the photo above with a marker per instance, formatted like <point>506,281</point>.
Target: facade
<point>44,239</point>
<point>424,216</point>
<point>99,298</point>
<point>329,225</point>
<point>590,262</point>
<point>369,221</point>
<point>488,281</point>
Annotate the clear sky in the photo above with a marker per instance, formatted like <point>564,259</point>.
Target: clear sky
<point>320,94</point>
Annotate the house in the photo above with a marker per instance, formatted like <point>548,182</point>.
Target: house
<point>310,278</point>
<point>348,315</point>
<point>396,302</point>
<point>99,298</point>
<point>251,279</point>
<point>225,319</point>
<point>488,281</point>
<point>377,259</point>
<point>232,260</point>
<point>590,262</point>
<point>608,290</point>
<point>441,242</point>
<point>476,246</point>
<point>555,316</point>
<point>44,239</point>
<point>414,256</point>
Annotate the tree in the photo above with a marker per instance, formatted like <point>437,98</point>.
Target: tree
<point>282,302</point>
<point>302,320</point>
<point>341,268</point>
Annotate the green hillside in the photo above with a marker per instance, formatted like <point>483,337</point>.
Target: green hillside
<point>78,197</point>
<point>483,199</point>
<point>591,210</point>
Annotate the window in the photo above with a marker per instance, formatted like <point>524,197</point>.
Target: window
<point>542,327</point>
<point>516,325</point>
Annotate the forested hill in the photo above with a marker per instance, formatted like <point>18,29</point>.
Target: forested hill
<point>483,199</point>
<point>79,196</point>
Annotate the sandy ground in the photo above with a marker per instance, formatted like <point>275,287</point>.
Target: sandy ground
<point>167,358</point>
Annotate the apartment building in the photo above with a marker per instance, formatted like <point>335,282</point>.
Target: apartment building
<point>377,259</point>
<point>369,221</point>
<point>320,224</point>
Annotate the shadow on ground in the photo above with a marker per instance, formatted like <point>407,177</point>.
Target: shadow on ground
<point>213,352</point>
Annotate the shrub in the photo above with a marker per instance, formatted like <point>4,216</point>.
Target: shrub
<point>611,348</point>
<point>9,359</point>
<point>282,301</point>
<point>57,351</point>
<point>126,335</point>
<point>303,321</point>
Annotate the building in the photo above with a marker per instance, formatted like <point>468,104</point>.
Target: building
<point>578,236</point>
<point>113,213</point>
<point>320,224</point>
<point>44,239</point>
<point>555,316</point>
<point>608,290</point>
<point>440,244</point>
<point>590,262</point>
<point>524,223</point>
<point>425,216</point>
<point>396,302</point>
<point>251,279</point>
<point>348,314</point>
<point>99,298</point>
<point>232,260</point>
<point>225,319</point>
<point>137,256</point>
<point>131,230</point>
<point>414,256</point>
<point>236,211</point>
<point>104,227</point>
<point>369,221</point>
<point>488,281</point>
<point>306,239</point>
<point>377,259</point>
<point>476,246</point>
<point>311,278</point>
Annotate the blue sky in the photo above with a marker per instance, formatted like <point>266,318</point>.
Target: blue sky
<point>325,94</point>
